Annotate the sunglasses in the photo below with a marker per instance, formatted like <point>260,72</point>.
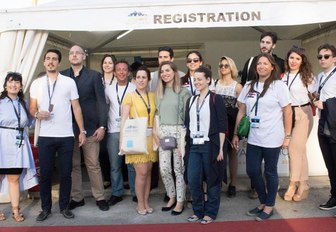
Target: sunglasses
<point>14,73</point>
<point>326,57</point>
<point>224,66</point>
<point>193,60</point>
<point>298,49</point>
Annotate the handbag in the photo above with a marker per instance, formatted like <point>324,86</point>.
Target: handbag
<point>243,126</point>
<point>168,143</point>
<point>134,135</point>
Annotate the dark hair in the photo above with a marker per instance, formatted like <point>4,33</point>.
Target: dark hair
<point>327,47</point>
<point>185,78</point>
<point>102,61</point>
<point>56,51</point>
<point>143,68</point>
<point>207,72</point>
<point>271,34</point>
<point>275,74</point>
<point>167,49</point>
<point>305,70</point>
<point>122,62</point>
<point>16,77</point>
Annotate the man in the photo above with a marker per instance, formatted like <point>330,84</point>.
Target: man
<point>164,54</point>
<point>94,108</point>
<point>326,102</point>
<point>267,44</point>
<point>114,95</point>
<point>51,99</point>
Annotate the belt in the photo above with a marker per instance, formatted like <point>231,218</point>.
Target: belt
<point>12,128</point>
<point>307,104</point>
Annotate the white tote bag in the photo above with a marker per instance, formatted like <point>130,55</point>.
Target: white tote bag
<point>134,135</point>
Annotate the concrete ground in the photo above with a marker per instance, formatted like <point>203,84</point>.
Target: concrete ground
<point>231,209</point>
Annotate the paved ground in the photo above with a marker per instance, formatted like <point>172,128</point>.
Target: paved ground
<point>232,209</point>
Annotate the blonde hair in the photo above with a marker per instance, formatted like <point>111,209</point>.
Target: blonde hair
<point>161,85</point>
<point>233,67</point>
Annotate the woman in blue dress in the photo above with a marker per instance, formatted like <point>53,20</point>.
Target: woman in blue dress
<point>17,169</point>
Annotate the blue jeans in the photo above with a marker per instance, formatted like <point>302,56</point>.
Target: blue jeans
<point>254,157</point>
<point>117,181</point>
<point>198,170</point>
<point>48,147</point>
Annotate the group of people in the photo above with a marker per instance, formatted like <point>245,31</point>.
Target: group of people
<point>79,111</point>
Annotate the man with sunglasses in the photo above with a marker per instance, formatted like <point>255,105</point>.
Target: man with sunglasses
<point>326,101</point>
<point>267,44</point>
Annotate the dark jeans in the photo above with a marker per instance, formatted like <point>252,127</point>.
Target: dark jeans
<point>48,147</point>
<point>254,157</point>
<point>198,168</point>
<point>328,149</point>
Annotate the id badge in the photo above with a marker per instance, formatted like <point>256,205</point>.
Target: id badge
<point>255,122</point>
<point>117,121</point>
<point>19,140</point>
<point>198,137</point>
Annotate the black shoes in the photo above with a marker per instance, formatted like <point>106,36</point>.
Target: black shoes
<point>168,208</point>
<point>331,204</point>
<point>67,214</point>
<point>231,191</point>
<point>102,205</point>
<point>175,213</point>
<point>43,215</point>
<point>74,204</point>
<point>114,200</point>
<point>134,199</point>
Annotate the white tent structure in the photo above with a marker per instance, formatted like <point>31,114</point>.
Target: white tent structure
<point>98,24</point>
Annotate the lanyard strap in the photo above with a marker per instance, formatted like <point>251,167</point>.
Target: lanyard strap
<point>291,81</point>
<point>148,107</point>
<point>104,82</point>
<point>198,110</point>
<point>321,85</point>
<point>191,87</point>
<point>50,95</point>
<point>17,112</point>
<point>122,97</point>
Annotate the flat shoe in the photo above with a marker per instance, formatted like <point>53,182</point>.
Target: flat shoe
<point>149,210</point>
<point>175,213</point>
<point>206,221</point>
<point>2,217</point>
<point>142,212</point>
<point>193,218</point>
<point>264,216</point>
<point>168,208</point>
<point>254,212</point>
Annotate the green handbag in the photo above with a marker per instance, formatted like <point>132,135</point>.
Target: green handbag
<point>243,126</point>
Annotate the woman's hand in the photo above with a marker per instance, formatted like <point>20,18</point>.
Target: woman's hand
<point>220,156</point>
<point>285,143</point>
<point>235,142</point>
<point>319,104</point>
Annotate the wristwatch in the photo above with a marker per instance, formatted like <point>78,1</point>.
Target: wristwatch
<point>102,127</point>
<point>84,132</point>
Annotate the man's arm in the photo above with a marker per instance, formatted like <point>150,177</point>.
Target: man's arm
<point>77,111</point>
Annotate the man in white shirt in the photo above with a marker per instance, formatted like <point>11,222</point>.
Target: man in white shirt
<point>51,99</point>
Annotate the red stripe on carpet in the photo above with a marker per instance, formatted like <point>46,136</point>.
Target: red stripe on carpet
<point>325,224</point>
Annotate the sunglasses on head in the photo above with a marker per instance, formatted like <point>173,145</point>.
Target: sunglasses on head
<point>224,66</point>
<point>326,57</point>
<point>195,60</point>
<point>14,73</point>
<point>298,49</point>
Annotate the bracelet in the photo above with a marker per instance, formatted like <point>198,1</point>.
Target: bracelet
<point>36,114</point>
<point>288,137</point>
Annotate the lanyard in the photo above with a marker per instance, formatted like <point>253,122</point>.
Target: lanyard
<point>321,85</point>
<point>198,110</point>
<point>148,107</point>
<point>50,95</point>
<point>17,112</point>
<point>291,81</point>
<point>104,82</point>
<point>122,97</point>
<point>191,87</point>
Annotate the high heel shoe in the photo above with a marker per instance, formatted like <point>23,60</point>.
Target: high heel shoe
<point>290,193</point>
<point>301,194</point>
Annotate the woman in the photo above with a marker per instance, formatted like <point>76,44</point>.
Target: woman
<point>266,101</point>
<point>141,103</point>
<point>300,82</point>
<point>17,168</point>
<point>107,67</point>
<point>194,61</point>
<point>205,119</point>
<point>229,89</point>
<point>171,101</point>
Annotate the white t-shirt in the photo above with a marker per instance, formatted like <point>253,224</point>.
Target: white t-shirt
<point>114,117</point>
<point>269,110</point>
<point>298,91</point>
<point>329,89</point>
<point>63,92</point>
<point>204,117</point>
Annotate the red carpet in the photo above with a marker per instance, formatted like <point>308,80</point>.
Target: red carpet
<point>327,224</point>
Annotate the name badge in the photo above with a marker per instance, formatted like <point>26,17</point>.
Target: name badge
<point>117,122</point>
<point>255,122</point>
<point>19,140</point>
<point>198,137</point>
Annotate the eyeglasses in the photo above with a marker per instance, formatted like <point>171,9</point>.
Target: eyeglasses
<point>193,60</point>
<point>224,66</point>
<point>76,53</point>
<point>326,57</point>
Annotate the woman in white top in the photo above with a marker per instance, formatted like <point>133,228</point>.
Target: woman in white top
<point>194,61</point>
<point>228,87</point>
<point>301,83</point>
<point>266,101</point>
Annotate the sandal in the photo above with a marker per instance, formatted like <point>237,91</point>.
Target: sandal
<point>206,221</point>
<point>17,216</point>
<point>2,217</point>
